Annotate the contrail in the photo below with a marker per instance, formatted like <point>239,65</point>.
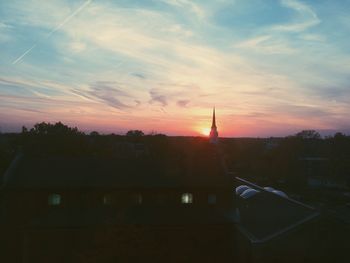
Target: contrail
<point>69,17</point>
<point>53,30</point>
<point>25,53</point>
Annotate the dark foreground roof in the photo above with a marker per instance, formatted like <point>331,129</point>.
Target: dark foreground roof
<point>107,172</point>
<point>138,215</point>
<point>266,215</point>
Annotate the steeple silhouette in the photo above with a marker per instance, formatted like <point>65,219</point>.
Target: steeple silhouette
<point>213,137</point>
<point>213,124</point>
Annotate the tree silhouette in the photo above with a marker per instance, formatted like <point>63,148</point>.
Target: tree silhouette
<point>135,133</point>
<point>94,133</point>
<point>58,128</point>
<point>308,134</point>
<point>46,138</point>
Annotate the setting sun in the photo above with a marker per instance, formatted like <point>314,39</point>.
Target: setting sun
<point>205,131</point>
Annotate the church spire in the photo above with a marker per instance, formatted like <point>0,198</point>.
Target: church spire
<point>213,137</point>
<point>213,124</point>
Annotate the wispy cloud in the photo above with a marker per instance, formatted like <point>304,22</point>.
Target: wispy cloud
<point>138,75</point>
<point>187,5</point>
<point>157,96</point>
<point>183,103</point>
<point>313,37</point>
<point>112,95</point>
<point>267,44</point>
<point>66,20</point>
<point>148,58</point>
<point>4,26</point>
<point>305,19</point>
<point>5,32</point>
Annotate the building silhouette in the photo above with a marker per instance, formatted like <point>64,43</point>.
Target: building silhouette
<point>213,137</point>
<point>147,199</point>
<point>166,205</point>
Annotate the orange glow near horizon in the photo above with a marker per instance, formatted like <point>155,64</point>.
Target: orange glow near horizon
<point>205,131</point>
<point>194,123</point>
<point>163,68</point>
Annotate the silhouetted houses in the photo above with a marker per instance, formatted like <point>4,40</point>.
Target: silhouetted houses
<point>186,200</point>
<point>319,173</point>
<point>315,166</point>
<point>173,201</point>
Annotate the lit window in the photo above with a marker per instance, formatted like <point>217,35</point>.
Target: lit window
<point>107,199</point>
<point>186,198</point>
<point>211,199</point>
<point>54,199</point>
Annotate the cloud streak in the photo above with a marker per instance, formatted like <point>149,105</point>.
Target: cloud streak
<point>158,97</point>
<point>139,62</point>
<point>306,17</point>
<point>111,95</point>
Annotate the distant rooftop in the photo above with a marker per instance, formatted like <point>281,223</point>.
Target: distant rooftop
<point>195,165</point>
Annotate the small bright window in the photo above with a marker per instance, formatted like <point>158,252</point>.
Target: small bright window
<point>211,199</point>
<point>186,198</point>
<point>107,199</point>
<point>54,199</point>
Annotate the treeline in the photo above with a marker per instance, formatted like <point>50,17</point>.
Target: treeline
<point>289,161</point>
<point>268,160</point>
<point>47,138</point>
<point>57,138</point>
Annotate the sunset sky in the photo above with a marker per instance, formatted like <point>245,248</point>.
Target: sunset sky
<point>270,67</point>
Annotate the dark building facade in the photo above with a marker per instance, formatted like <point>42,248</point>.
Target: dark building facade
<point>172,201</point>
<point>99,209</point>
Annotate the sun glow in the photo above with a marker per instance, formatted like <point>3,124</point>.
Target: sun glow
<point>205,131</point>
